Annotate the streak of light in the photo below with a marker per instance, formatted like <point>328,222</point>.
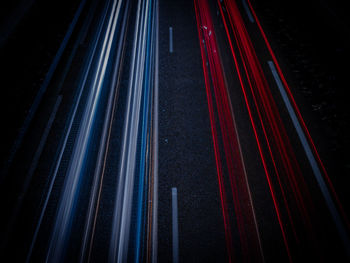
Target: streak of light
<point>244,215</point>
<point>147,93</point>
<point>268,175</point>
<point>74,173</point>
<point>218,161</point>
<point>137,113</point>
<point>154,212</point>
<point>343,230</point>
<point>95,196</point>
<point>82,85</point>
<point>313,163</point>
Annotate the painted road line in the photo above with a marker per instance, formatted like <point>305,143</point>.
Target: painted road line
<point>313,163</point>
<point>247,10</point>
<point>175,225</point>
<point>171,47</point>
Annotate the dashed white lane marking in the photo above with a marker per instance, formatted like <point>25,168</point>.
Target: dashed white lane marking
<point>175,225</point>
<point>247,10</point>
<point>171,47</point>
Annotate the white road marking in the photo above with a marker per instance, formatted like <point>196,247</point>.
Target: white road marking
<point>247,10</point>
<point>313,163</point>
<point>171,47</point>
<point>175,225</point>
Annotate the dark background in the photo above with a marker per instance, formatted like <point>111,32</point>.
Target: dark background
<point>311,41</point>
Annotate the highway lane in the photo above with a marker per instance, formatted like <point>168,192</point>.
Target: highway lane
<point>73,177</point>
<point>263,112</point>
<point>239,176</point>
<point>186,153</point>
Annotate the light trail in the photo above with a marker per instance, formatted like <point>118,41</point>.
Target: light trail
<point>244,215</point>
<point>147,93</point>
<point>218,161</point>
<point>121,219</point>
<point>69,128</point>
<point>106,50</point>
<point>282,156</point>
<point>94,202</point>
<point>270,120</point>
<point>138,126</point>
<point>154,233</point>
<point>97,108</point>
<point>323,184</point>
<point>313,163</point>
<point>273,194</point>
<point>64,215</point>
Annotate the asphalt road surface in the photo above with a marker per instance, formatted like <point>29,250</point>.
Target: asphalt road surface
<point>167,131</point>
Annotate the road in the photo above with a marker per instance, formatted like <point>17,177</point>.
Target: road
<point>169,131</point>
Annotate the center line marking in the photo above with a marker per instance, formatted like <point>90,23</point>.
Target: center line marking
<point>171,49</point>
<point>175,225</point>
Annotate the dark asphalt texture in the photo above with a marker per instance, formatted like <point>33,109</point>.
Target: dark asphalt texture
<point>312,48</point>
<point>186,155</point>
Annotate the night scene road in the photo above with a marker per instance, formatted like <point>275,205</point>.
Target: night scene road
<point>174,131</point>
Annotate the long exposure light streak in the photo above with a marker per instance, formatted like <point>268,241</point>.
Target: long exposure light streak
<point>227,224</point>
<point>95,196</point>
<point>256,136</point>
<point>68,129</point>
<point>122,210</point>
<point>245,218</point>
<point>137,126</point>
<point>154,186</point>
<point>314,157</point>
<point>253,185</point>
<point>73,175</point>
<point>270,122</point>
<point>282,156</point>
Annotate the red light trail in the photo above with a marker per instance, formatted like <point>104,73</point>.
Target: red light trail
<point>290,194</point>
<point>216,85</point>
